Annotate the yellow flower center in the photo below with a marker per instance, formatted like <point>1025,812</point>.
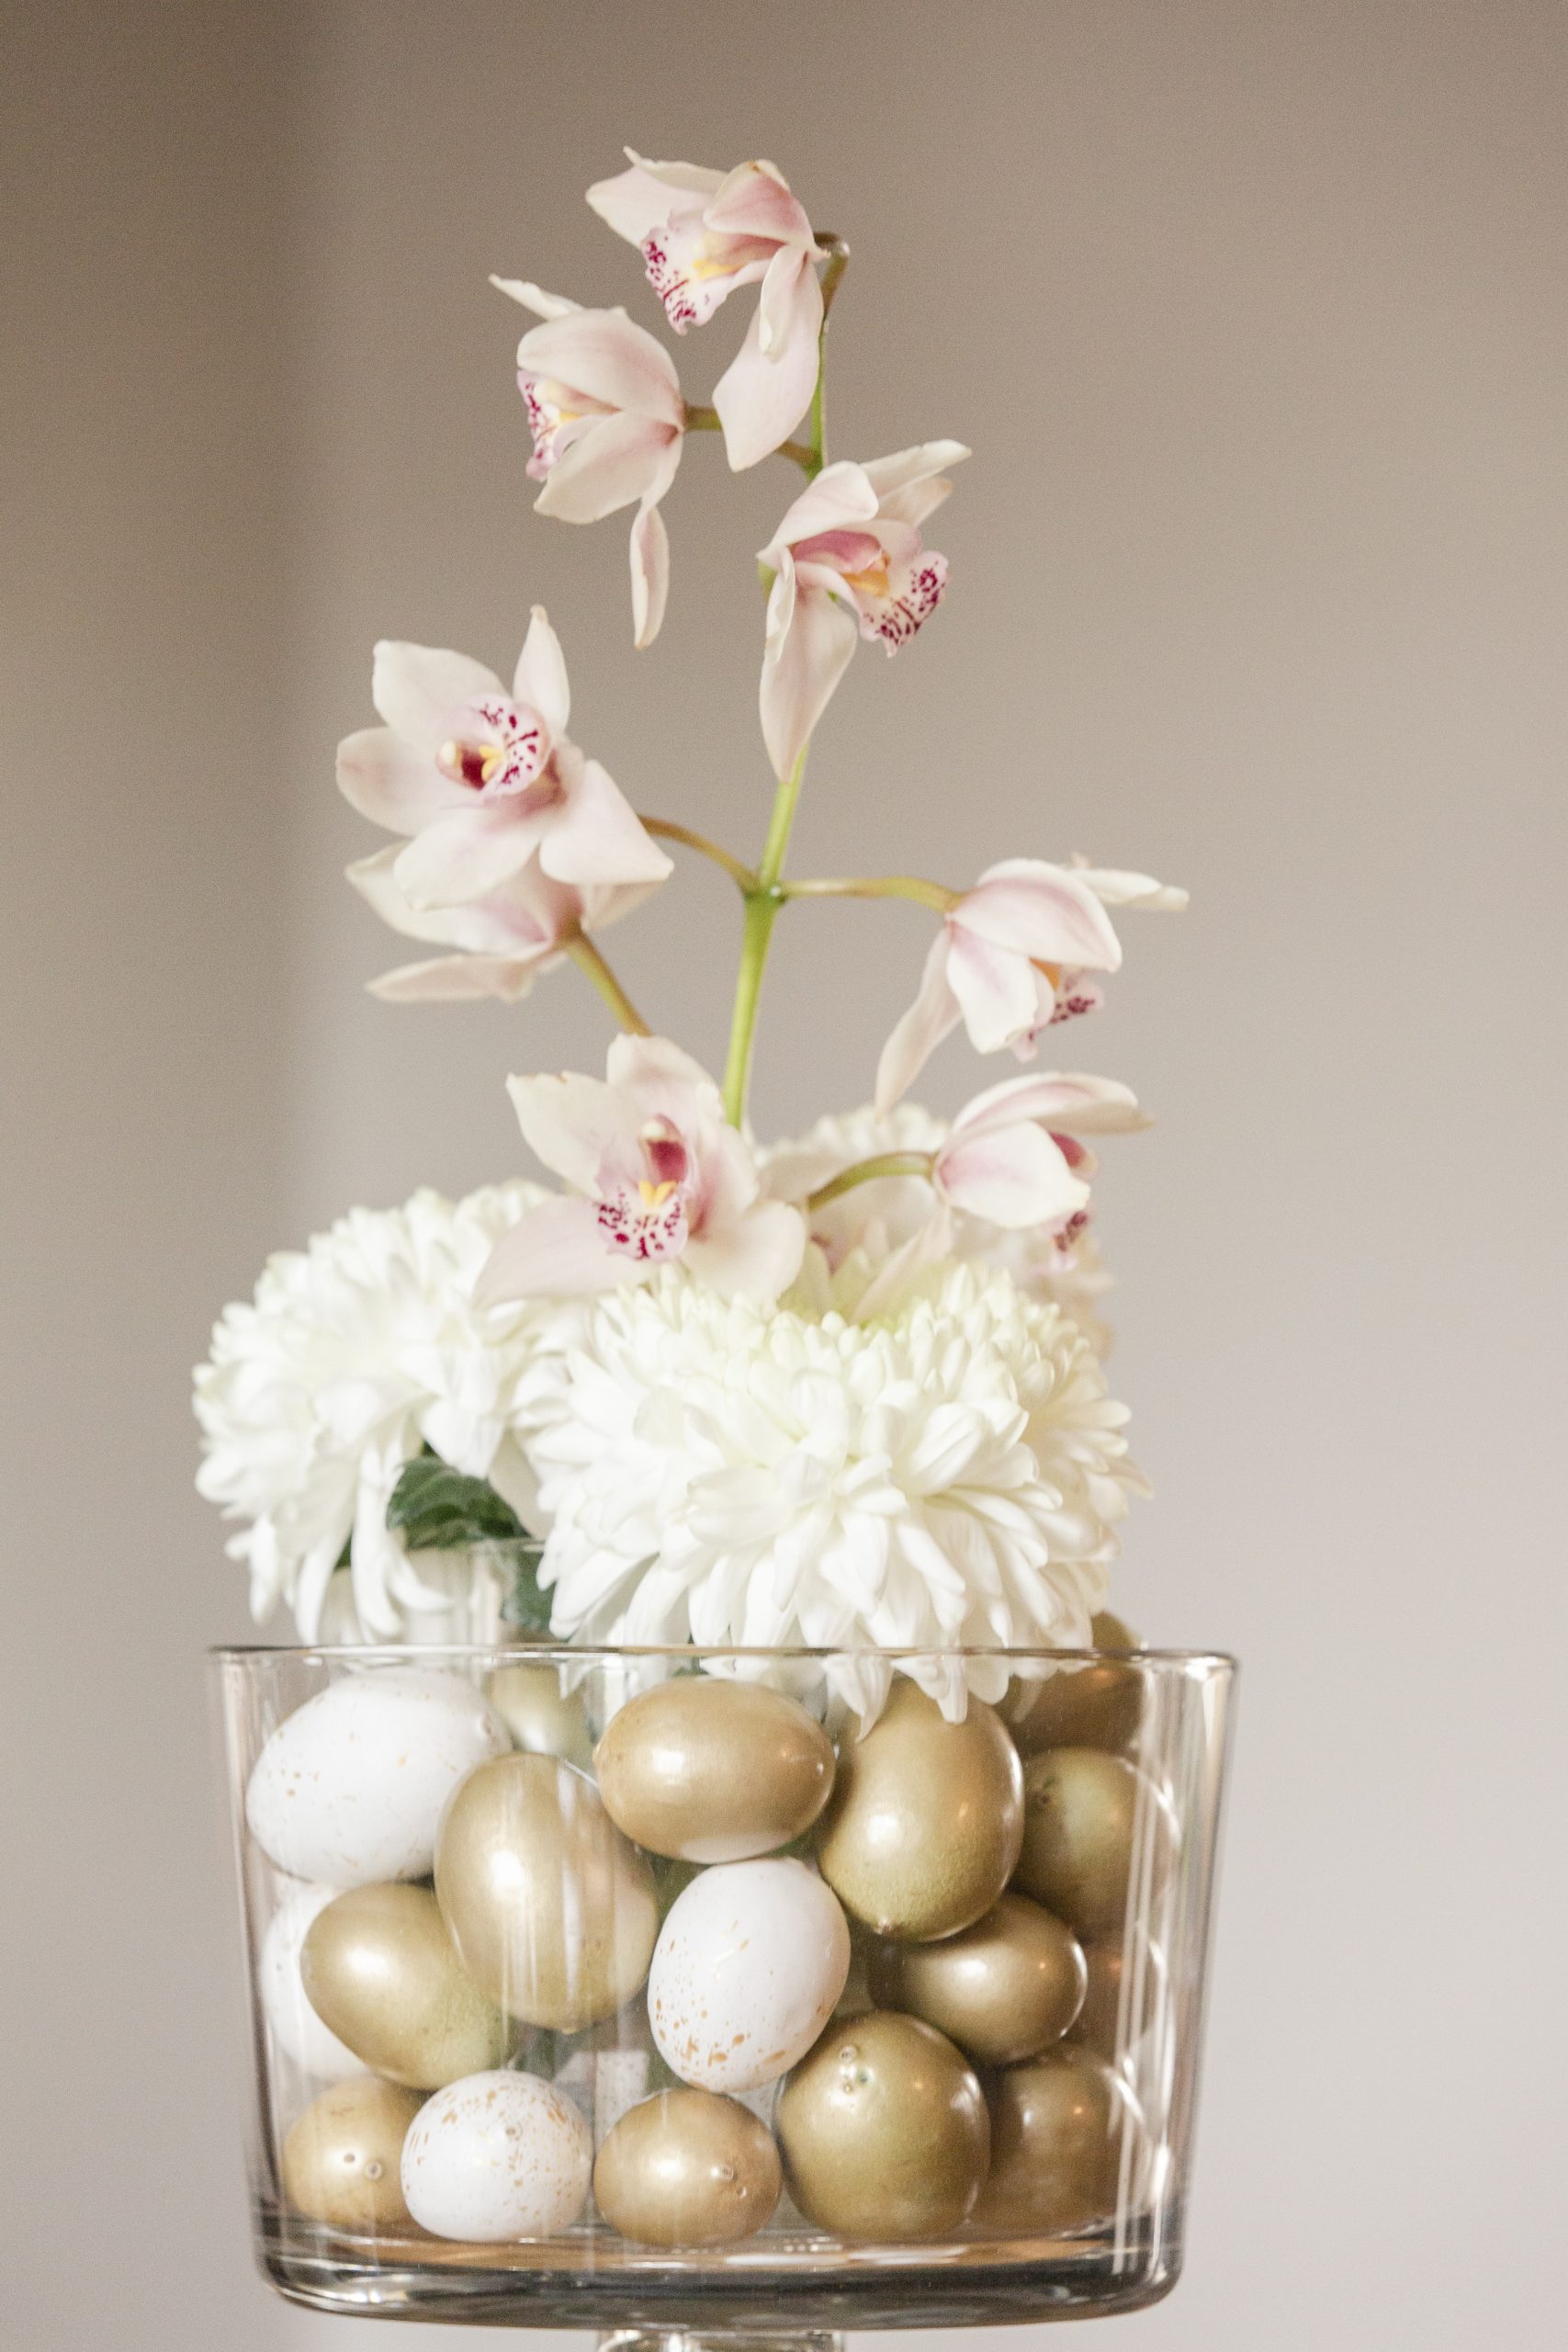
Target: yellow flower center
<point>654,1195</point>
<point>871,581</point>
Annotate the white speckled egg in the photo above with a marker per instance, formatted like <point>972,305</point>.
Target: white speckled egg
<point>350,1787</point>
<point>496,2157</point>
<point>746,1973</point>
<point>296,2028</point>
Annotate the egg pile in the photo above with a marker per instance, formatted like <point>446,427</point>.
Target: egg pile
<point>716,1961</point>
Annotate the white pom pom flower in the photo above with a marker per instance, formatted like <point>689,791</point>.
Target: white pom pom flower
<point>356,1354</point>
<point>949,1474</point>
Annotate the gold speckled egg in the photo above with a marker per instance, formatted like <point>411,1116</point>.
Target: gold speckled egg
<point>706,1770</point>
<point>688,2167</point>
<point>553,1912</point>
<point>544,1717</point>
<point>1087,1816</point>
<point>341,2161</point>
<point>926,1819</point>
<point>885,2130</point>
<point>380,1970</point>
<point>1003,1989</point>
<point>1066,2146</point>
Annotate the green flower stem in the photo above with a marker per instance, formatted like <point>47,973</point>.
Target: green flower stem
<point>867,1171</point>
<point>877,885</point>
<point>762,903</point>
<point>839,261</point>
<point>587,958</point>
<point>743,876</point>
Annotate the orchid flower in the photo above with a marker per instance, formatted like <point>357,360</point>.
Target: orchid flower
<point>1002,964</point>
<point>658,1176</point>
<point>480,781</point>
<point>608,422</point>
<point>1012,1155</point>
<point>501,943</point>
<point>702,234</point>
<point>849,561</point>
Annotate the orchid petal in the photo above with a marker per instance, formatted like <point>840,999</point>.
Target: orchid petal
<point>756,1257</point>
<point>840,497</point>
<point>618,459</point>
<point>534,298</point>
<point>572,1124</point>
<point>634,202</point>
<point>1119,888</point>
<point>539,680</point>
<point>1070,1100</point>
<point>663,1077</point>
<point>609,357</point>
<point>908,484</point>
<point>557,1250</point>
<point>802,665</point>
<point>462,979</point>
<point>387,780</point>
<point>995,986</point>
<point>918,1033</point>
<point>767,387</point>
<point>417,689</point>
<point>1040,910</point>
<point>466,856</point>
<point>754,200</point>
<point>1012,1176</point>
<point>597,836</point>
<point>651,573</point>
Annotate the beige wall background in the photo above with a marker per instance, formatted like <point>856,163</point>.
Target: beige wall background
<point>1255,316</point>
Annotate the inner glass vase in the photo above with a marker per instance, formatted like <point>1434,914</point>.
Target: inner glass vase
<point>698,1995</point>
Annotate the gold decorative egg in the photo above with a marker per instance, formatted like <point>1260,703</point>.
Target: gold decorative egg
<point>1066,2146</point>
<point>552,1911</point>
<point>1003,1989</point>
<point>1089,1817</point>
<point>380,1970</point>
<point>926,1818</point>
<point>544,1717</point>
<point>342,2162</point>
<point>706,1770</point>
<point>885,2130</point>
<point>688,2167</point>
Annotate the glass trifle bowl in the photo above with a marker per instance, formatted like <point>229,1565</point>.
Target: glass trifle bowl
<point>708,1994</point>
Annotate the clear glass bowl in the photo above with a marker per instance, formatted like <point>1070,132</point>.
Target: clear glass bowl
<point>989,2119</point>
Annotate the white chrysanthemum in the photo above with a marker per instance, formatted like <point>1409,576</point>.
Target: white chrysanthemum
<point>879,1218</point>
<point>355,1353</point>
<point>949,1474</point>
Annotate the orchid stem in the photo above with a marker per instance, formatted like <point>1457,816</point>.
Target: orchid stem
<point>763,900</point>
<point>587,958</point>
<point>839,261</point>
<point>877,885</point>
<point>867,1171</point>
<point>743,876</point>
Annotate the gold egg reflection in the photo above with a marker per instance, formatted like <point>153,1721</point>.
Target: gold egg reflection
<point>553,1912</point>
<point>1003,1989</point>
<point>1065,2146</point>
<point>688,2167</point>
<point>1087,1817</point>
<point>926,1818</point>
<point>885,2130</point>
<point>342,2162</point>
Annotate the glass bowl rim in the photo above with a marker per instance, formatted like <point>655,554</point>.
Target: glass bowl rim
<point>549,1653</point>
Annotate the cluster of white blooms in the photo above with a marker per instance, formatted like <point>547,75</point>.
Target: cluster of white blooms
<point>354,1354</point>
<point>948,1473</point>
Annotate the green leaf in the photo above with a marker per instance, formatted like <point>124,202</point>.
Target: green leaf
<point>436,1508</point>
<point>526,1606</point>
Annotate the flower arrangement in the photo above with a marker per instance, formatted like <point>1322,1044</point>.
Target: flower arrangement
<point>848,1391</point>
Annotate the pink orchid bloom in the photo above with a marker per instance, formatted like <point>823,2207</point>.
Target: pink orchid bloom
<point>1008,961</point>
<point>657,1175</point>
<point>608,422</point>
<point>849,562</point>
<point>702,234</point>
<point>1012,1155</point>
<point>481,781</point>
<point>502,942</point>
